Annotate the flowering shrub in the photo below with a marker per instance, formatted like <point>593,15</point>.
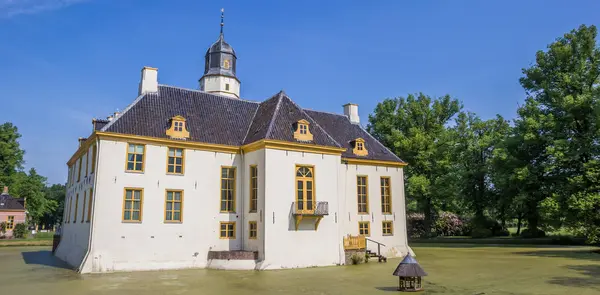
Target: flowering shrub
<point>449,224</point>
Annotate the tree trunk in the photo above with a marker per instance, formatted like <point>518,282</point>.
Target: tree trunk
<point>428,216</point>
<point>519,221</point>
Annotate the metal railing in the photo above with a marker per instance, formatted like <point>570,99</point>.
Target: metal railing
<point>319,209</point>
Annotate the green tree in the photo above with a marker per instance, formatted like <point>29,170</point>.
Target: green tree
<point>474,146</point>
<point>415,128</point>
<point>32,186</point>
<point>55,193</point>
<point>563,90</point>
<point>11,154</point>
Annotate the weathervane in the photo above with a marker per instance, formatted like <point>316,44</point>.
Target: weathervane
<point>222,16</point>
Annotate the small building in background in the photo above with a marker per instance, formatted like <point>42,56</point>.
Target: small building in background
<point>12,211</point>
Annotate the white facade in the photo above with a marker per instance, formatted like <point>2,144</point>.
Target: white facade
<point>222,85</point>
<point>111,244</point>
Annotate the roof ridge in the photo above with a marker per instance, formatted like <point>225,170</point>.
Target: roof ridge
<point>219,95</point>
<point>111,122</point>
<point>279,96</point>
<point>381,144</point>
<point>316,123</point>
<point>331,113</point>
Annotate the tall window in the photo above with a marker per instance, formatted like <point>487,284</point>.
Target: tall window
<point>363,195</point>
<point>253,227</point>
<point>174,206</point>
<point>227,189</point>
<point>76,207</point>
<point>364,228</point>
<point>175,161</point>
<point>387,228</point>
<point>135,157</point>
<point>68,219</point>
<point>79,170</point>
<point>83,206</point>
<point>386,196</point>
<point>10,222</point>
<point>227,230</point>
<point>253,188</point>
<point>132,204</point>
<point>94,151</point>
<point>305,201</point>
<point>87,163</point>
<point>89,212</point>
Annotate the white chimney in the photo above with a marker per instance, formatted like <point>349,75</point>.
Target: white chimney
<point>351,111</point>
<point>149,81</point>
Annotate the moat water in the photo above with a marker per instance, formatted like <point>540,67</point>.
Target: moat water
<point>33,270</point>
<point>453,270</point>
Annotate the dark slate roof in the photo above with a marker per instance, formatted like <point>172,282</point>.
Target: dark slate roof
<point>7,202</point>
<point>344,132</point>
<point>209,118</point>
<point>219,119</point>
<point>99,123</point>
<point>409,267</point>
<point>275,120</point>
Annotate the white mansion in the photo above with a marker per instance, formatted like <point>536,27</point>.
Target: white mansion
<point>188,178</point>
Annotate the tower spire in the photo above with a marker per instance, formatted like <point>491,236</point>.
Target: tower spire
<point>222,17</point>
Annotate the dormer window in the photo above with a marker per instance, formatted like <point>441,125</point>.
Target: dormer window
<point>359,147</point>
<point>302,131</point>
<point>178,129</point>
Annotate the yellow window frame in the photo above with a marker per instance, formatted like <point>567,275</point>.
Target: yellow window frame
<point>253,188</point>
<point>364,226</point>
<point>304,190</point>
<point>386,194</point>
<point>227,230</point>
<point>252,230</point>
<point>132,201</point>
<point>76,208</point>
<point>79,170</point>
<point>174,166</point>
<point>135,158</point>
<point>387,228</point>
<point>173,202</point>
<point>227,205</point>
<point>89,212</point>
<point>83,206</point>
<point>94,152</point>
<point>10,222</point>
<point>362,194</point>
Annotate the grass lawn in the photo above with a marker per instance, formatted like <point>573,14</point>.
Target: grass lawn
<point>478,269</point>
<point>40,239</point>
<point>454,269</point>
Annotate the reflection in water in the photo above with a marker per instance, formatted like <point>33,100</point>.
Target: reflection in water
<point>33,270</point>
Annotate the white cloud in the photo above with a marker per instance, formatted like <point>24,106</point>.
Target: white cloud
<point>11,8</point>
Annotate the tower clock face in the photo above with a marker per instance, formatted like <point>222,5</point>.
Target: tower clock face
<point>226,64</point>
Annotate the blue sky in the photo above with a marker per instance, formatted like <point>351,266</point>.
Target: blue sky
<point>63,62</point>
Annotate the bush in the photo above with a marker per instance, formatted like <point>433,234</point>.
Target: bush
<point>481,233</point>
<point>20,231</point>
<point>367,257</point>
<point>416,225</point>
<point>503,233</point>
<point>529,234</point>
<point>356,258</point>
<point>449,224</point>
<point>3,226</point>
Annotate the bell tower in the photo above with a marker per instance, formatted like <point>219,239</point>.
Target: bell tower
<point>219,68</point>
